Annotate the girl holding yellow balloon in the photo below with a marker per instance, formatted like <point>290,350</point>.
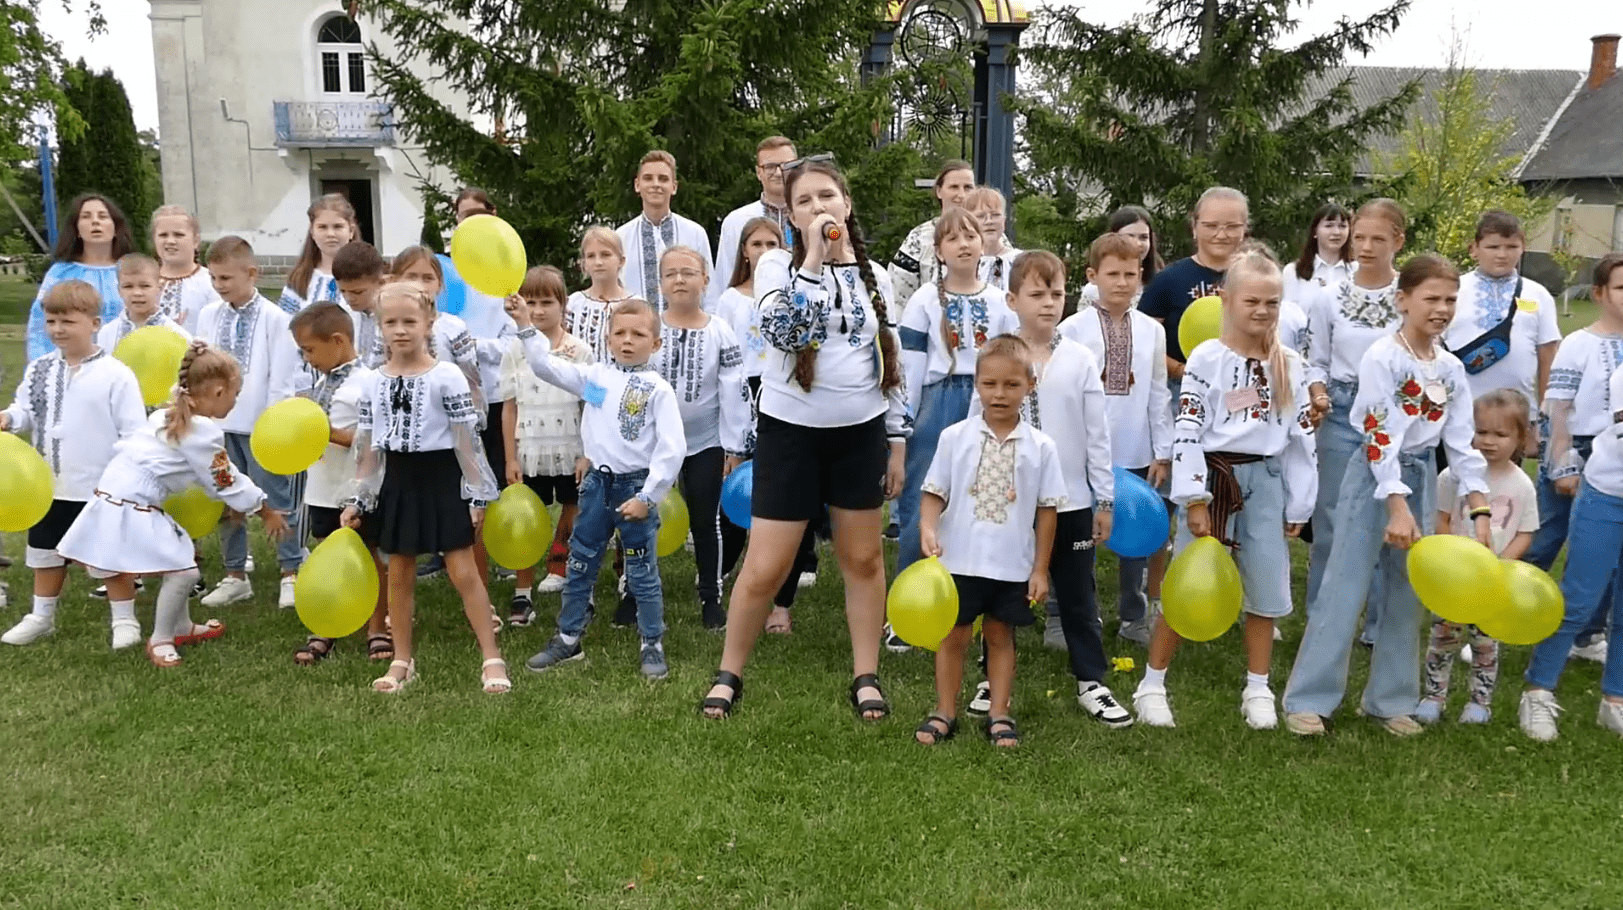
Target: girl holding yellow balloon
<point>1412,393</point>
<point>1243,473</point>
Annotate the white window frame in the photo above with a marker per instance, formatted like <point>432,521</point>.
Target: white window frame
<point>344,52</point>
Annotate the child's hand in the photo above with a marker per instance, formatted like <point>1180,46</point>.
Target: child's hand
<point>1567,486</point>
<point>1200,519</point>
<point>515,474</point>
<point>896,469</point>
<point>1319,407</point>
<point>1293,530</point>
<point>1401,530</point>
<point>582,465</point>
<point>729,464</point>
<point>929,545</point>
<point>350,518</point>
<point>275,523</point>
<point>1158,473</point>
<point>1103,522</point>
<point>634,509</point>
<point>477,514</point>
<point>5,421</point>
<point>514,305</point>
<point>1483,526</point>
<point>1037,589</point>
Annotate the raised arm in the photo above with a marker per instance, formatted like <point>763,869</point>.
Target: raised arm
<point>548,368</point>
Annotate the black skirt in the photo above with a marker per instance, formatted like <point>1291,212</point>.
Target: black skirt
<point>420,508</point>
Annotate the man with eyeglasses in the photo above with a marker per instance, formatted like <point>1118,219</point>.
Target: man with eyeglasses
<point>770,157</point>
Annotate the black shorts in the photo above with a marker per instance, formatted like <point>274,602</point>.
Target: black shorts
<point>322,522</point>
<point>494,442</point>
<point>798,470</point>
<point>1004,601</point>
<point>559,488</point>
<point>48,532</point>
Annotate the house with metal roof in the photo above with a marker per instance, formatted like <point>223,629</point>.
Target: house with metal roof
<point>1579,156</point>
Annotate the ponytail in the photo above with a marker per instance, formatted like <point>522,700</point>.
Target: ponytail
<point>200,366</point>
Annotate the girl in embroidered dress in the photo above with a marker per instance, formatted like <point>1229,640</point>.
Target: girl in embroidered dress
<point>451,341</point>
<point>831,400</point>
<point>138,284</point>
<point>421,479</point>
<point>1243,472</point>
<point>586,313</point>
<point>997,256</point>
<point>95,235</point>
<point>124,532</point>
<point>184,286</point>
<point>700,357</point>
<point>332,224</point>
<point>942,328</point>
<point>1411,394</point>
<point>1326,256</point>
<point>1344,319</point>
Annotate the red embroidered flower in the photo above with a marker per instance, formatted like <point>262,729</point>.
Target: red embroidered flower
<point>1373,453</point>
<point>220,467</point>
<point>1383,440</point>
<point>1370,422</point>
<point>1410,388</point>
<point>1434,416</point>
<point>980,338</point>
<point>1411,409</point>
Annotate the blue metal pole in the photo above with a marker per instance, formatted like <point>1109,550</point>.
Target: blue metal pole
<point>48,182</point>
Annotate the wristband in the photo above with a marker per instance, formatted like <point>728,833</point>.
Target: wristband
<point>1483,512</point>
<point>1104,505</point>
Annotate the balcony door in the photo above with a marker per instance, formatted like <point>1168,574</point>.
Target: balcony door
<point>360,195</point>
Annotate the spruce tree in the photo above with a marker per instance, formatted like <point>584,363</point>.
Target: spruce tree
<point>107,157</point>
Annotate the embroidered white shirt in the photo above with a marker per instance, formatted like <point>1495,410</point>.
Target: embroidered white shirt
<point>995,269</point>
<point>587,318</point>
<point>1406,406</point>
<point>741,313</point>
<point>1483,303</point>
<point>109,335</point>
<point>339,393</point>
<point>75,414</point>
<point>1604,471</point>
<point>321,288</point>
<point>430,412</point>
<point>257,335</point>
<point>183,299</point>
<point>993,489</point>
<point>732,229</point>
<point>705,368</point>
<point>1325,275</point>
<point>641,273</point>
<point>1140,416</point>
<point>148,468</point>
<point>1579,401</point>
<point>1293,329</point>
<point>1343,321</point>
<point>546,428</point>
<point>452,343</point>
<point>968,319</point>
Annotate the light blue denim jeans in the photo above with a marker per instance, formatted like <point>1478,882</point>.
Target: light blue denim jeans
<point>602,492</point>
<point>283,493</point>
<point>941,405</point>
<point>1263,557</point>
<point>1318,681</point>
<point>1337,441</point>
<point>1554,511</point>
<point>1594,549</point>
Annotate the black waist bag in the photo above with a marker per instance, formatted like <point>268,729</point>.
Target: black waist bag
<point>1491,346</point>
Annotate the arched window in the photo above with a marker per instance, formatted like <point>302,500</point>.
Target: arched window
<point>342,57</point>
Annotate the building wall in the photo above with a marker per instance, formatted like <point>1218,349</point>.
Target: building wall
<point>1587,221</point>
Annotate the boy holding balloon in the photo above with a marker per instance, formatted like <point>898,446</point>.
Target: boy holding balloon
<point>77,401</point>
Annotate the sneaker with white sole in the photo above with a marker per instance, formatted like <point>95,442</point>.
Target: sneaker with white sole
<point>1101,705</point>
<point>1537,713</point>
<point>1430,711</point>
<point>126,634</point>
<point>1153,708</point>
<point>229,591</point>
<point>1476,714</point>
<point>32,628</point>
<point>652,661</point>
<point>1610,716</point>
<point>1257,706</point>
<point>806,580</point>
<point>894,643</point>
<point>981,704</point>
<point>1304,723</point>
<point>1137,632</point>
<point>1595,650</point>
<point>552,584</point>
<point>248,566</point>
<point>284,598</point>
<point>1401,725</point>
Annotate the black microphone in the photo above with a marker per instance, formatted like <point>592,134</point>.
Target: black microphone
<point>832,232</point>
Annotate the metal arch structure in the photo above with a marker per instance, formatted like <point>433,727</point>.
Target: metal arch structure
<point>990,31</point>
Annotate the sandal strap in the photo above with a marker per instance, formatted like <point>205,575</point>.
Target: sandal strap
<point>729,679</point>
<point>493,662</point>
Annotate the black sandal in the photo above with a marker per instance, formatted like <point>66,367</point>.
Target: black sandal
<point>380,646</point>
<point>865,681</point>
<point>998,737</point>
<point>725,705</point>
<point>931,728</point>
<point>315,650</point>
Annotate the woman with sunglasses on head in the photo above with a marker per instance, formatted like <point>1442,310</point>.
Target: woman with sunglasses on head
<point>832,428</point>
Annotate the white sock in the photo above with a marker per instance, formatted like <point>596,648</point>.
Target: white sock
<point>123,610</point>
<point>1154,680</point>
<point>45,607</point>
<point>174,603</point>
<point>568,639</point>
<point>1256,680</point>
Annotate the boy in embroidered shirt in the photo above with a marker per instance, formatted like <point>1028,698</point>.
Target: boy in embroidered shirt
<point>77,402</point>
<point>361,272</point>
<point>988,512</point>
<point>254,331</point>
<point>1505,329</point>
<point>646,237</point>
<point>632,434</point>
<point>322,332</point>
<point>140,286</point>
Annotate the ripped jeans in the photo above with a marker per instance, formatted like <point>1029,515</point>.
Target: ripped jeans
<point>602,492</point>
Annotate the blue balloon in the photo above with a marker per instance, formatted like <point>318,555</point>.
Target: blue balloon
<point>735,494</point>
<point>1140,524</point>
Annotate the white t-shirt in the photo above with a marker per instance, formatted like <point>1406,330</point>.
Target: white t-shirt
<point>1511,496</point>
<point>1484,302</point>
<point>1604,470</point>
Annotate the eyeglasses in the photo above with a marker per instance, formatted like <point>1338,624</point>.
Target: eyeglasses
<point>824,158</point>
<point>1230,227</point>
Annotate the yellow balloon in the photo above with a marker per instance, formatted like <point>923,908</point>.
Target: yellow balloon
<point>518,529</point>
<point>673,523</point>
<point>489,255</point>
<point>153,354</point>
<point>1532,612</point>
<point>26,485</point>
<point>290,436</point>
<point>194,510</point>
<point>1201,595</point>
<point>1456,577</point>
<point>337,587</point>
<point>1203,321</point>
<point>922,606</point>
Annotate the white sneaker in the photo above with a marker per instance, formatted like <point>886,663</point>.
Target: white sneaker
<point>552,584</point>
<point>1257,705</point>
<point>981,704</point>
<point>248,566</point>
<point>228,591</point>
<point>894,643</point>
<point>1101,705</point>
<point>1278,635</point>
<point>1153,708</point>
<point>1610,716</point>
<point>32,628</point>
<point>126,634</point>
<point>806,580</point>
<point>1595,651</point>
<point>285,598</point>
<point>1537,714</point>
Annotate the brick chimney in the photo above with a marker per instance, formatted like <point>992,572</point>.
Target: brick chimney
<point>1602,60</point>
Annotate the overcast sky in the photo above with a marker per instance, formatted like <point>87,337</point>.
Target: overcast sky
<point>1499,34</point>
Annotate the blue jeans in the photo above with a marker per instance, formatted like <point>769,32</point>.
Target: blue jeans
<point>1338,440</point>
<point>1319,679</point>
<point>602,492</point>
<point>1594,549</point>
<point>1263,556</point>
<point>1553,514</point>
<point>283,493</point>
<point>941,405</point>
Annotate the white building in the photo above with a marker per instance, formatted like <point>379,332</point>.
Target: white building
<point>263,105</point>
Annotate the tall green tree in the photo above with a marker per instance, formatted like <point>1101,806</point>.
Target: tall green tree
<point>31,69</point>
<point>581,89</point>
<point>107,156</point>
<point>1192,94</point>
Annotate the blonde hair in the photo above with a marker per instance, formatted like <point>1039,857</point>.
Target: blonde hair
<point>681,250</point>
<point>985,197</point>
<point>1257,261</point>
<point>201,366</point>
<point>661,156</point>
<point>72,296</point>
<point>1387,210</point>
<point>131,263</point>
<point>414,291</point>
<point>1012,347</point>
<point>605,235</point>
<point>177,211</point>
<point>1514,406</point>
<point>636,306</point>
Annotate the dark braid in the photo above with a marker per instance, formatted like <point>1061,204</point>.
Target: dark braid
<point>892,376</point>
<point>805,371</point>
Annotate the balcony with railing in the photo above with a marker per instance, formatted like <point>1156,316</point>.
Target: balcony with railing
<point>334,124</point>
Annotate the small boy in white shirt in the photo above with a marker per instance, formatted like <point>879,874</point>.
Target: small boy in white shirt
<point>255,332</point>
<point>140,288</point>
<point>632,434</point>
<point>77,401</point>
<point>988,512</point>
<point>323,334</point>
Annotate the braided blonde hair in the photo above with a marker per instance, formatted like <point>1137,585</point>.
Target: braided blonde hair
<point>200,366</point>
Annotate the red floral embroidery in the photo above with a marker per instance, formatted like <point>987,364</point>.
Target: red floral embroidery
<point>225,476</point>
<point>1376,437</point>
<point>1372,453</point>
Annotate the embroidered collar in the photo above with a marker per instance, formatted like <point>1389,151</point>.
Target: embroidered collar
<point>629,367</point>
<point>92,357</point>
<point>248,309</point>
<point>339,373</point>
<point>1019,431</point>
<point>779,212</point>
<point>164,279</point>
<point>660,223</point>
